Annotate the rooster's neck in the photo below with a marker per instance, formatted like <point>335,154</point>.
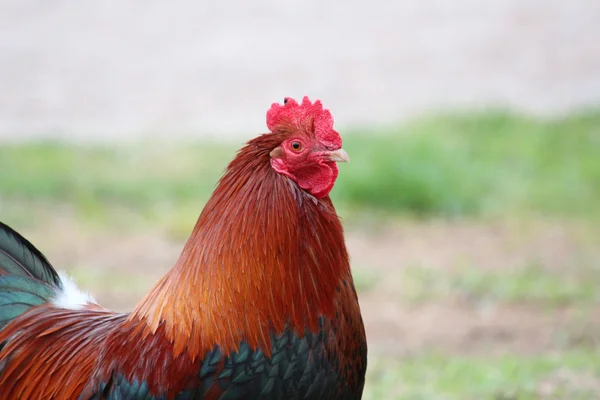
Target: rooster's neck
<point>263,254</point>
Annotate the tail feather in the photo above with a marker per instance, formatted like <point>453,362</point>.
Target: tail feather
<point>19,257</point>
<point>27,279</point>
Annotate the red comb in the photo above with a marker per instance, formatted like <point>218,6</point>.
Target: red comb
<point>299,115</point>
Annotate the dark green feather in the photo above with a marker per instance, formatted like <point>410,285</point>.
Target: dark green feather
<point>10,283</point>
<point>19,257</point>
<point>26,278</point>
<point>297,369</point>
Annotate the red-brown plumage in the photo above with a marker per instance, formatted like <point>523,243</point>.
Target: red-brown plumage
<point>264,256</point>
<point>69,352</point>
<point>226,272</point>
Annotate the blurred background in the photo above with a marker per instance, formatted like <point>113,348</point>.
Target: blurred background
<point>471,204</point>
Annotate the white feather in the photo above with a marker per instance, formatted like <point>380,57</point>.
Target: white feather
<point>70,296</point>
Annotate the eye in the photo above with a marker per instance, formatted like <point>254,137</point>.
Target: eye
<point>296,146</point>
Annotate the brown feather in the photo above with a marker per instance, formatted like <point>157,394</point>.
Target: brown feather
<point>262,254</point>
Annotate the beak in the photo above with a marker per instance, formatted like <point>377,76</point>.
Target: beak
<point>338,155</point>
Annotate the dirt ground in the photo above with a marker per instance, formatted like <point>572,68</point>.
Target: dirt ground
<point>458,325</point>
<point>394,326</point>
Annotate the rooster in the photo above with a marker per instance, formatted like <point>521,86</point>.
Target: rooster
<point>260,304</point>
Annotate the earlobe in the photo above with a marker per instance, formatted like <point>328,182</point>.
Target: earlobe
<point>277,152</point>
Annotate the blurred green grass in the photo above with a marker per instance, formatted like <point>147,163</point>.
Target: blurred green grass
<point>571,375</point>
<point>485,164</point>
<point>531,284</point>
<point>477,164</point>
